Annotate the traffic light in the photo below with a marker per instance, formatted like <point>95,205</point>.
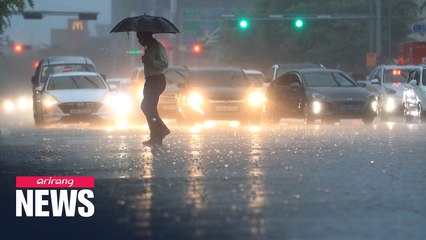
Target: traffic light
<point>298,23</point>
<point>197,48</point>
<point>243,24</point>
<point>18,48</point>
<point>134,52</point>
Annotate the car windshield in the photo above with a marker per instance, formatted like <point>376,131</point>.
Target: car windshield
<point>75,82</point>
<point>255,79</point>
<point>396,75</point>
<point>328,79</point>
<point>218,79</point>
<point>288,67</point>
<point>46,71</point>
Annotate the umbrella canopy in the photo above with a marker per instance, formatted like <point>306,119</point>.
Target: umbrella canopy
<point>145,23</point>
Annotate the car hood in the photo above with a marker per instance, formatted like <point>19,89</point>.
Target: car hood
<point>394,90</point>
<point>341,93</point>
<point>223,93</point>
<point>79,95</point>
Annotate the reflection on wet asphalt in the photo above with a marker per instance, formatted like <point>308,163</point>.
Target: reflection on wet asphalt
<point>273,182</point>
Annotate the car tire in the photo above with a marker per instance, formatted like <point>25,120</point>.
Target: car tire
<point>271,116</point>
<point>307,116</point>
<point>330,120</point>
<point>368,120</point>
<point>255,120</point>
<point>422,114</point>
<point>180,120</point>
<point>382,115</point>
<point>38,119</point>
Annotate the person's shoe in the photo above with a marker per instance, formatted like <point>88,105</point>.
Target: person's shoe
<point>164,133</point>
<point>153,141</point>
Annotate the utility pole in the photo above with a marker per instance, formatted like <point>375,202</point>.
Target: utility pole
<point>173,10</point>
<point>378,28</point>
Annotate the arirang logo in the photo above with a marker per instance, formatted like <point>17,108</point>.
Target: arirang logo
<point>57,196</point>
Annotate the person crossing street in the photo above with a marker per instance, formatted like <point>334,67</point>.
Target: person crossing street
<point>155,64</point>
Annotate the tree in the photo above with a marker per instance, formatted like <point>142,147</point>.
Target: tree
<point>8,7</point>
<point>334,43</point>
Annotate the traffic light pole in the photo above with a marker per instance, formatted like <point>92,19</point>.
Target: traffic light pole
<point>374,17</point>
<point>41,14</point>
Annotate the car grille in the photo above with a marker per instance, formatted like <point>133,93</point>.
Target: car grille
<point>350,106</point>
<point>225,107</point>
<point>92,106</point>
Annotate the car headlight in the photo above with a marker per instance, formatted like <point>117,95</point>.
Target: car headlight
<point>374,104</point>
<point>24,103</point>
<point>390,105</point>
<point>316,107</point>
<point>195,100</point>
<point>120,104</point>
<point>9,106</point>
<point>49,101</point>
<point>256,98</point>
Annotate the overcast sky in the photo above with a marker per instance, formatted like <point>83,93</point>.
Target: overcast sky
<point>37,32</point>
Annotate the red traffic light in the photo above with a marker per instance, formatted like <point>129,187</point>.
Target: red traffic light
<point>18,48</point>
<point>197,48</point>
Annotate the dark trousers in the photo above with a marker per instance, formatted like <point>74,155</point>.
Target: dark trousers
<point>153,88</point>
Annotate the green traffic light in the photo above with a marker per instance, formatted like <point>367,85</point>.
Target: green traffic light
<point>298,23</point>
<point>243,24</point>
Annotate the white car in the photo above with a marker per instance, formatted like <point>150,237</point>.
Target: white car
<point>75,97</point>
<point>414,95</point>
<point>387,82</point>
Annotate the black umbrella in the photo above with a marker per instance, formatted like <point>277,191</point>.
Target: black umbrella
<point>145,23</point>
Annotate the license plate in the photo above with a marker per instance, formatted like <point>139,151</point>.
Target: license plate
<point>80,111</point>
<point>227,108</point>
<point>351,108</point>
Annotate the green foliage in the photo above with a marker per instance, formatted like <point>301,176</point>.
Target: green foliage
<point>8,7</point>
<point>334,43</point>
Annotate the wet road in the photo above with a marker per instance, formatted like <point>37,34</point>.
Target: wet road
<point>291,181</point>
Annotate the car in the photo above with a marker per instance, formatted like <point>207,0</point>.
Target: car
<point>167,104</point>
<point>50,65</point>
<point>255,76</point>
<point>213,93</point>
<point>325,94</point>
<point>56,64</point>
<point>75,97</point>
<point>279,69</point>
<point>414,95</point>
<point>121,89</point>
<point>387,82</point>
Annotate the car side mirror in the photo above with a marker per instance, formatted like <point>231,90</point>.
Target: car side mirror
<point>374,81</point>
<point>413,82</point>
<point>362,83</point>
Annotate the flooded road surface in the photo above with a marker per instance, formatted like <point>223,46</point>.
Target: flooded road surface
<point>290,181</point>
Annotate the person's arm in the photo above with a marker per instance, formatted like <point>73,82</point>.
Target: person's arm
<point>156,58</point>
